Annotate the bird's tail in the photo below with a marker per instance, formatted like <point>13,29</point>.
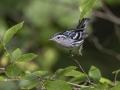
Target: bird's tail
<point>83,23</point>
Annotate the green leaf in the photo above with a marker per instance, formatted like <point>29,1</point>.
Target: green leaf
<point>105,80</point>
<point>78,80</point>
<point>16,54</point>
<point>74,73</point>
<point>101,86</point>
<point>94,73</point>
<point>85,7</point>
<point>66,70</point>
<point>10,32</point>
<point>27,57</point>
<point>57,85</point>
<point>117,71</point>
<point>8,85</point>
<point>115,88</point>
<point>13,71</point>
<point>29,81</point>
<point>43,74</point>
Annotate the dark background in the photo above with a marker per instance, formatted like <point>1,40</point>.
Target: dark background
<point>43,18</point>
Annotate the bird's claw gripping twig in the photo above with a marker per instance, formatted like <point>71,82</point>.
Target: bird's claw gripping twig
<point>71,55</point>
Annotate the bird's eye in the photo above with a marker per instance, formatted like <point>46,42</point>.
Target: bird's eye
<point>58,37</point>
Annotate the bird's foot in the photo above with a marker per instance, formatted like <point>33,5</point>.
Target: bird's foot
<point>71,55</point>
<point>80,50</point>
<point>80,53</point>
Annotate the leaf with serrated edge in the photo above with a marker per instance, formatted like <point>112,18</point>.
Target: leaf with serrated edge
<point>27,57</point>
<point>10,32</point>
<point>57,85</point>
<point>16,54</point>
<point>13,71</point>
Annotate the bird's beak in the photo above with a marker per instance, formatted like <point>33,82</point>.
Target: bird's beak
<point>51,39</point>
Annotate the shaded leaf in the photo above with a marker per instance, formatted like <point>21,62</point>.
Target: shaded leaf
<point>94,73</point>
<point>9,85</point>
<point>43,74</point>
<point>10,32</point>
<point>74,73</point>
<point>16,54</point>
<point>101,87</point>
<point>115,88</point>
<point>29,81</point>
<point>57,85</point>
<point>85,7</point>
<point>66,70</point>
<point>13,71</point>
<point>27,57</point>
<point>78,80</point>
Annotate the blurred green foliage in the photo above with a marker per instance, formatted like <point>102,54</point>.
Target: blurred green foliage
<point>42,19</point>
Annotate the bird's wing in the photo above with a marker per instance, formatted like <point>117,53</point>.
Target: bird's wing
<point>75,34</point>
<point>83,23</point>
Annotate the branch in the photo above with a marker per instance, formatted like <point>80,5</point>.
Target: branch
<point>102,49</point>
<point>109,13</point>
<point>14,79</point>
<point>5,48</point>
<point>83,71</point>
<point>115,78</point>
<point>77,85</point>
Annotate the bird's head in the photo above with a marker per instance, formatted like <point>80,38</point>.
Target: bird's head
<point>57,38</point>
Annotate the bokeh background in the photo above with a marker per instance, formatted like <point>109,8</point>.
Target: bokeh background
<point>43,18</point>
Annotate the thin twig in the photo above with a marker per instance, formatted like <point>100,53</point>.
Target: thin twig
<point>109,13</point>
<point>115,78</point>
<point>102,49</point>
<point>5,48</point>
<point>2,69</point>
<point>76,85</point>
<point>83,71</point>
<point>14,79</point>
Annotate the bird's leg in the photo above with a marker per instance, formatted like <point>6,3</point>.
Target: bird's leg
<point>71,55</point>
<point>81,46</point>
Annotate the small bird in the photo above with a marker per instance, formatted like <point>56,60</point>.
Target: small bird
<point>72,38</point>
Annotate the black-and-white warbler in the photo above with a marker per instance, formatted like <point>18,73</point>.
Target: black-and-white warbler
<point>73,37</point>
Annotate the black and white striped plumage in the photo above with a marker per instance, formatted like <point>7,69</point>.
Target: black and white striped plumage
<point>74,37</point>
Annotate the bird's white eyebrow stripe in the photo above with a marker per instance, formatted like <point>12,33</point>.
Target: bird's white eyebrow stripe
<point>76,35</point>
<point>80,35</point>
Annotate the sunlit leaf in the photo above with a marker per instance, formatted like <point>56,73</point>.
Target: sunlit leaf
<point>94,73</point>
<point>16,54</point>
<point>57,85</point>
<point>104,80</point>
<point>13,71</point>
<point>85,7</point>
<point>27,57</point>
<point>10,32</point>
